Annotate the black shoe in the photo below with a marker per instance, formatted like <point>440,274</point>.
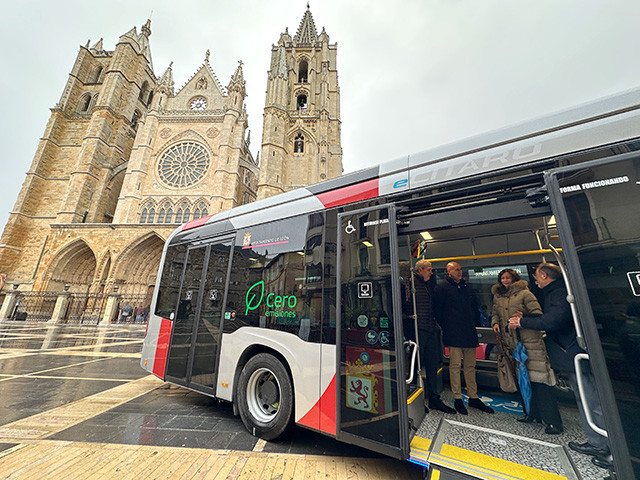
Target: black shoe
<point>459,406</point>
<point>587,449</point>
<point>437,404</point>
<point>477,403</point>
<point>528,419</point>
<point>553,429</point>
<point>603,462</point>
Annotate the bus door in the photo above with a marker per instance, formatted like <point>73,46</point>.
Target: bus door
<point>371,393</point>
<point>193,353</point>
<point>596,208</point>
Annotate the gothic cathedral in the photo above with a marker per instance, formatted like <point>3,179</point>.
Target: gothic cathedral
<point>125,159</point>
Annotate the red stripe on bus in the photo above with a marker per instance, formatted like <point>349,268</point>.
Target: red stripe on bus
<point>198,222</point>
<point>322,416</point>
<point>162,348</point>
<point>352,193</point>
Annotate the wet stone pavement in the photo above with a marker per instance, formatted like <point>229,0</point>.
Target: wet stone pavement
<point>82,386</point>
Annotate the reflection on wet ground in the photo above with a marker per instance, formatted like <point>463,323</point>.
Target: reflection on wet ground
<point>56,384</point>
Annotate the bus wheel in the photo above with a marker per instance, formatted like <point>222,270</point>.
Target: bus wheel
<point>265,397</point>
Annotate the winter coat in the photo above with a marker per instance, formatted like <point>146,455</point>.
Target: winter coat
<point>518,298</point>
<point>561,342</point>
<point>456,313</point>
<point>424,304</point>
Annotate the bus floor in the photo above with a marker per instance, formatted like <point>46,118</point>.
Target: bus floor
<point>495,445</point>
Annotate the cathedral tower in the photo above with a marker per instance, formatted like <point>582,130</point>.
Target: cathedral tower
<point>301,130</point>
<point>78,167</point>
<point>123,161</point>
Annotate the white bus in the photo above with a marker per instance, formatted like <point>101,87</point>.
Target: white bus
<point>290,307</point>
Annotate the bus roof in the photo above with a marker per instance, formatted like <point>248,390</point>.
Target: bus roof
<point>605,121</point>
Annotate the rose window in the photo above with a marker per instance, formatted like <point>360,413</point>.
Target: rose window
<point>183,164</point>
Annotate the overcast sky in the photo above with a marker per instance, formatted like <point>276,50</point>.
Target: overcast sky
<point>413,74</point>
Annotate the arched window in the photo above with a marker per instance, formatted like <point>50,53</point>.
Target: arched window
<point>298,144</point>
<point>134,120</point>
<point>152,214</point>
<point>150,98</point>
<point>303,69</point>
<point>143,215</point>
<point>201,211</point>
<point>302,102</point>
<point>85,103</point>
<point>144,91</point>
<point>183,213</point>
<point>95,76</point>
<point>161,215</point>
<point>169,217</point>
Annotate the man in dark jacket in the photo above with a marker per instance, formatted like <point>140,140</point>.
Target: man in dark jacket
<point>562,347</point>
<point>457,316</point>
<point>428,333</point>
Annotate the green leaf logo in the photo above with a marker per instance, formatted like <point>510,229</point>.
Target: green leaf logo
<point>255,290</point>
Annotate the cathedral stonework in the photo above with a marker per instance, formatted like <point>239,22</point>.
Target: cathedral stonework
<point>125,159</point>
<point>301,129</point>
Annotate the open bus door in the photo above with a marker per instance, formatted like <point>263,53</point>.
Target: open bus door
<point>375,384</point>
<point>596,206</point>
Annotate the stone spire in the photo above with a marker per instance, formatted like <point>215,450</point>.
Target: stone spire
<point>140,41</point>
<point>98,47</point>
<point>166,82</point>
<point>238,77</point>
<point>146,28</point>
<point>282,69</point>
<point>307,33</point>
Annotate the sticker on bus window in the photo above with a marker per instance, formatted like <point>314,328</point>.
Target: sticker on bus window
<point>634,281</point>
<point>363,321</point>
<point>384,338</point>
<point>365,290</point>
<point>359,393</point>
<point>372,337</point>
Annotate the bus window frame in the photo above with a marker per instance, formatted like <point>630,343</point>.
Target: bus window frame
<point>616,437</point>
<point>401,452</point>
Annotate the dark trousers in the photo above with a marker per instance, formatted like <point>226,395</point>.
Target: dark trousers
<point>544,404</point>
<point>431,357</point>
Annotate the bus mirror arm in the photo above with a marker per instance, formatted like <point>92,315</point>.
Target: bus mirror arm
<point>570,299</point>
<point>587,410</point>
<point>412,369</point>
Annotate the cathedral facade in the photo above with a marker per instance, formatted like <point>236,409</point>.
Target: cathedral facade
<point>125,159</point>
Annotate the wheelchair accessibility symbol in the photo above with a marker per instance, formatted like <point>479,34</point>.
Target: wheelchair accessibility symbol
<point>365,290</point>
<point>349,228</point>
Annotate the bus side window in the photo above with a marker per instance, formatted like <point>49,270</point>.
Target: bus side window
<point>276,278</point>
<point>170,281</point>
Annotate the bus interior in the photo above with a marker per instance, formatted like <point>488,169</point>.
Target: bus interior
<point>484,238</point>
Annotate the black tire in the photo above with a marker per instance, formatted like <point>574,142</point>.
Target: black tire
<point>265,397</point>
